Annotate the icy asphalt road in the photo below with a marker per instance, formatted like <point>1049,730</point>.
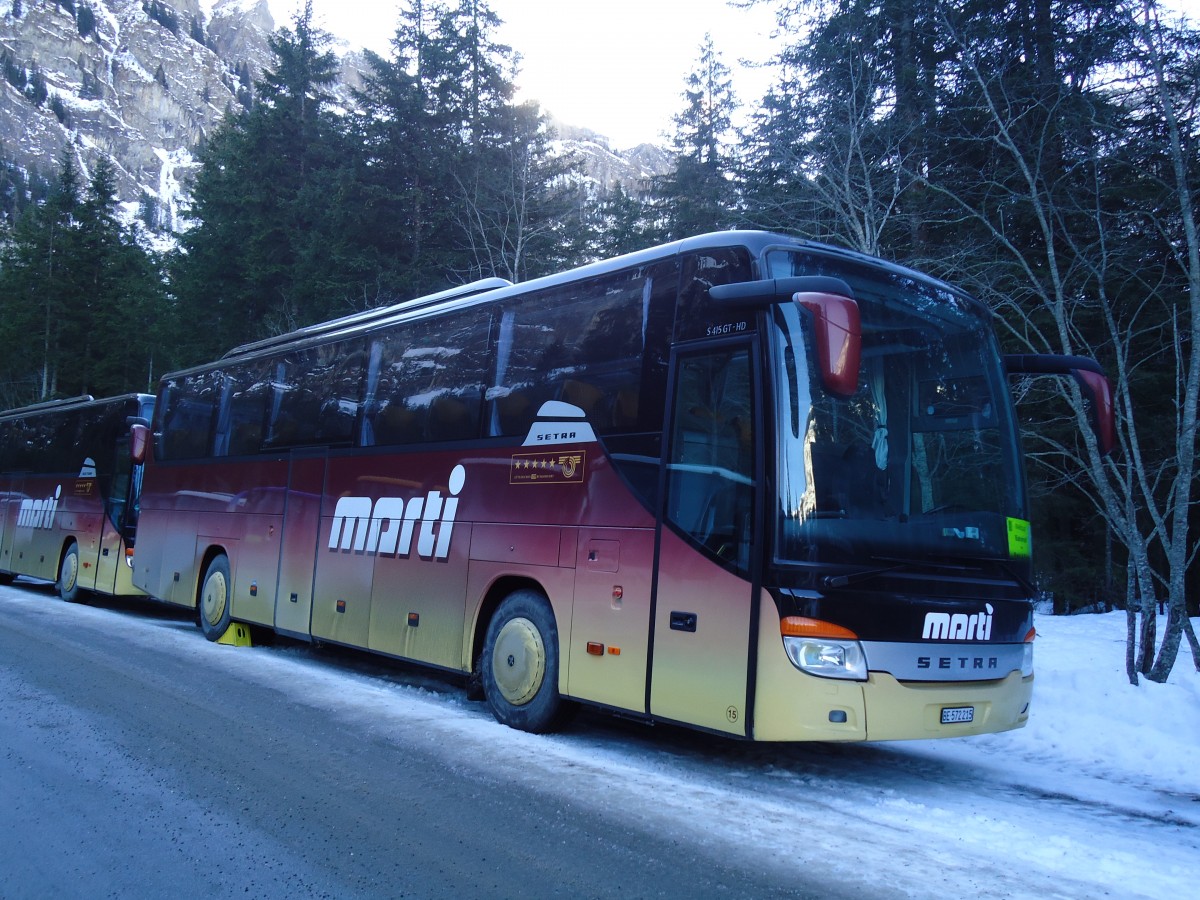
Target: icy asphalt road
<point>136,759</point>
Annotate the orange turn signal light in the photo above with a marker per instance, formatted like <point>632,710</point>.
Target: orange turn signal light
<point>1032,633</point>
<point>801,626</point>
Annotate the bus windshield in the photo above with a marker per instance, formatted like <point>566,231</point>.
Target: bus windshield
<point>921,462</point>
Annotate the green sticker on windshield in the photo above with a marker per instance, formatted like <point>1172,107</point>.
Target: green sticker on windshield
<point>1018,537</point>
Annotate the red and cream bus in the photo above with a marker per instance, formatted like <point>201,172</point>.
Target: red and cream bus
<point>741,482</point>
<point>69,493</point>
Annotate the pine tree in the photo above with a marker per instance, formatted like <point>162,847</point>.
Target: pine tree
<point>621,222</point>
<point>410,149</point>
<point>263,256</point>
<point>700,195</point>
<point>461,181</point>
<point>79,288</point>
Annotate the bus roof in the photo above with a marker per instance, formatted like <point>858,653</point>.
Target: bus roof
<point>369,316</point>
<point>492,289</point>
<point>71,403</point>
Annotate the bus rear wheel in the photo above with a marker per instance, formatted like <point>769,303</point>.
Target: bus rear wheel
<point>68,575</point>
<point>519,666</point>
<point>214,608</point>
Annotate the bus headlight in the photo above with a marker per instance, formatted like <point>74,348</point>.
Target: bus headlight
<point>1027,656</point>
<point>827,657</point>
<point>823,649</point>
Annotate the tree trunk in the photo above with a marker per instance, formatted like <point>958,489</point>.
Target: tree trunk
<point>1176,616</point>
<point>1146,606</point>
<point>1131,638</point>
<point>1192,642</point>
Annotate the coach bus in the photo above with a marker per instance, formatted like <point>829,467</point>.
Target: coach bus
<point>69,493</point>
<point>742,482</point>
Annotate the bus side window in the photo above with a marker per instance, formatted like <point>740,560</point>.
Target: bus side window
<point>337,378</point>
<point>429,382</point>
<point>697,312</point>
<point>249,400</point>
<point>582,344</point>
<point>318,393</point>
<point>189,416</point>
<point>63,452</point>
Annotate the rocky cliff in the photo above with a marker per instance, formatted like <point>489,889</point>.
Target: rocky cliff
<point>142,82</point>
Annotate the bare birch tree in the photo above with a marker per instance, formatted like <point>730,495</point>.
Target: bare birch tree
<point>1058,296</point>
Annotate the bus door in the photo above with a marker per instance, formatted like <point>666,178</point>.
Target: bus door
<point>120,521</point>
<point>298,543</point>
<point>10,505</point>
<point>704,604</point>
<point>120,512</point>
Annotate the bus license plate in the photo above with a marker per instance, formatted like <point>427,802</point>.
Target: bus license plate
<point>958,714</point>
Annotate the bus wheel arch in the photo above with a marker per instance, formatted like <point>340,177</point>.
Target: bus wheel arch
<point>519,663</point>
<point>214,596</point>
<point>67,583</point>
<point>496,594</point>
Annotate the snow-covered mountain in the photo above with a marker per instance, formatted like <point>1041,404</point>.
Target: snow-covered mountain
<point>143,82</point>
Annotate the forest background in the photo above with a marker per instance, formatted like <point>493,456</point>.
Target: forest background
<point>1044,155</point>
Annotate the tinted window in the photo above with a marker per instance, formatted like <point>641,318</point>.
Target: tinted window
<point>61,441</point>
<point>241,425</point>
<point>710,465</point>
<point>582,344</point>
<point>425,380</point>
<point>316,395</point>
<point>189,414</point>
<point>698,315</point>
<point>99,429</point>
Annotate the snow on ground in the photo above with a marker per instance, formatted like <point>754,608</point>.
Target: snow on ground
<point>1099,796</point>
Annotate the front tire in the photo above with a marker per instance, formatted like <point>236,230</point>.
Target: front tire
<point>519,666</point>
<point>68,575</point>
<point>213,608</point>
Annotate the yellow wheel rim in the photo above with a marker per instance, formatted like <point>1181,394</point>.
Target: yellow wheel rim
<point>215,598</point>
<point>519,661</point>
<point>70,571</point>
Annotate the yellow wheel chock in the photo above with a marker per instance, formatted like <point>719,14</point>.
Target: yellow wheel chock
<point>236,635</point>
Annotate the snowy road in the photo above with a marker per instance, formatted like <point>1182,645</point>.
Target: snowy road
<point>1086,802</point>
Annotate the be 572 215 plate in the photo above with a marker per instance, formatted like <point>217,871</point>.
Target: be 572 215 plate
<point>955,714</point>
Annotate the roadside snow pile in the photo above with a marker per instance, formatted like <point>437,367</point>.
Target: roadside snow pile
<point>1088,719</point>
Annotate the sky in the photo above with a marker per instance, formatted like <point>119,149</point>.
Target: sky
<point>617,67</point>
<point>1098,796</point>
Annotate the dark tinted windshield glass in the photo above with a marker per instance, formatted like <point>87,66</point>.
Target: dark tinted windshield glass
<point>920,463</point>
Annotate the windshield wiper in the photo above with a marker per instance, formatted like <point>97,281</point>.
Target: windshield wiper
<point>838,581</point>
<point>1025,585</point>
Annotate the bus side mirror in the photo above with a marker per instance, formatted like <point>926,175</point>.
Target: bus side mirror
<point>139,441</point>
<point>837,332</point>
<point>1099,392</point>
<point>1091,380</point>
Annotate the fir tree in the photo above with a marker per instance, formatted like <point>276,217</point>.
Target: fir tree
<point>263,257</point>
<point>699,195</point>
<point>79,291</point>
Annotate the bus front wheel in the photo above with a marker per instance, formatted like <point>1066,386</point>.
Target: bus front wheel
<point>68,575</point>
<point>214,609</point>
<point>519,666</point>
